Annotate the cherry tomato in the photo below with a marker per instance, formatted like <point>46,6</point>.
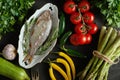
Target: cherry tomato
<point>82,39</point>
<point>84,6</point>
<point>93,28</point>
<point>88,17</point>
<point>88,38</point>
<point>74,39</point>
<point>75,18</point>
<point>78,39</point>
<point>69,7</point>
<point>80,28</point>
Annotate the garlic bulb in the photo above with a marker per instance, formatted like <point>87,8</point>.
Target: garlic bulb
<point>9,52</point>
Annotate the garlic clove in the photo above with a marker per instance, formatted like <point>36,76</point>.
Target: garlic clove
<point>9,52</point>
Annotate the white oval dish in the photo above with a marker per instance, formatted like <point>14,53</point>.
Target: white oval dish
<point>38,58</point>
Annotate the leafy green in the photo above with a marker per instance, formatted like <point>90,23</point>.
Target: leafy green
<point>12,11</point>
<point>26,36</point>
<point>52,37</point>
<point>110,9</point>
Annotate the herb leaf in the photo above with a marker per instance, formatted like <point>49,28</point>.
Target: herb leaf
<point>110,9</point>
<point>12,11</point>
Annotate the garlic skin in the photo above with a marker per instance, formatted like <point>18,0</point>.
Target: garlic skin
<point>9,52</point>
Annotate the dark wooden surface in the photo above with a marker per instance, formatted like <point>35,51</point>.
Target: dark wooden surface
<point>80,63</point>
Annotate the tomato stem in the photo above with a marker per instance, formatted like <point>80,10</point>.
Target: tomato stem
<point>81,16</point>
<point>85,26</point>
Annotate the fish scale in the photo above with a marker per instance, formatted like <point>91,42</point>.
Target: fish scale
<point>39,33</point>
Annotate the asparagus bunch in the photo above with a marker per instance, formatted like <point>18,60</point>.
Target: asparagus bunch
<point>108,51</point>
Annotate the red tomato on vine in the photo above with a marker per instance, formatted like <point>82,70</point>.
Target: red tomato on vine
<point>93,28</point>
<point>88,17</point>
<point>69,7</point>
<point>77,39</point>
<point>88,38</point>
<point>75,18</point>
<point>80,28</point>
<point>84,6</point>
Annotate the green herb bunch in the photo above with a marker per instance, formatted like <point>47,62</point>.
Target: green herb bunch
<point>12,11</point>
<point>110,9</point>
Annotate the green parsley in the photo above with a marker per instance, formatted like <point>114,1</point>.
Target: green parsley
<point>110,10</point>
<point>12,11</point>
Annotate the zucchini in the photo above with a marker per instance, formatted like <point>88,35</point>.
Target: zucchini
<point>12,71</point>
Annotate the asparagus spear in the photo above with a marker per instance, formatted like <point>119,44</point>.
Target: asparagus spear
<point>102,33</point>
<point>105,40</point>
<point>111,40</point>
<point>108,53</point>
<point>84,73</point>
<point>113,57</point>
<point>101,46</point>
<point>98,68</point>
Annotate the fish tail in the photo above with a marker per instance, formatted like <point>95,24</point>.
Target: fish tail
<point>28,59</point>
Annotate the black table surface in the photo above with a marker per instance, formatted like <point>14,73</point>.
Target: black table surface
<point>80,63</point>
